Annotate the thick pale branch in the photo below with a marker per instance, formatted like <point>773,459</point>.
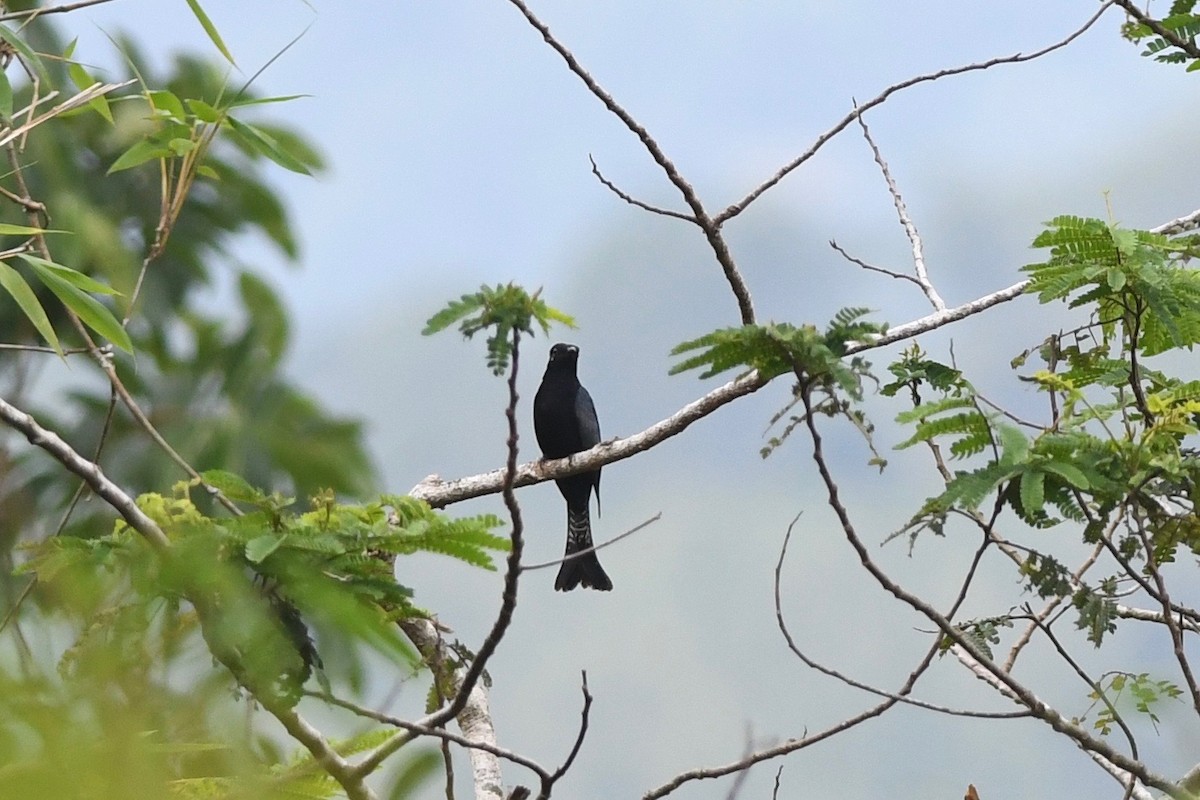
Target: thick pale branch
<point>91,473</point>
<point>474,719</point>
<point>440,493</point>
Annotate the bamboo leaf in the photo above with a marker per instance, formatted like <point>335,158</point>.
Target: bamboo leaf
<point>12,282</point>
<point>87,308</point>
<point>211,30</point>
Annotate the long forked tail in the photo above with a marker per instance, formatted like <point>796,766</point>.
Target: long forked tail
<point>584,570</point>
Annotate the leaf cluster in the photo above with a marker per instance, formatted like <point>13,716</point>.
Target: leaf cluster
<point>252,576</point>
<point>1183,22</point>
<point>501,310</point>
<point>775,349</point>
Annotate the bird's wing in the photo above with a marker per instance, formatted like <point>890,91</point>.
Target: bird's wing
<point>589,430</point>
<point>589,423</point>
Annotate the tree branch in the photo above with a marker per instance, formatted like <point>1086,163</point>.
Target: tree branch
<point>337,767</point>
<point>1011,687</point>
<point>740,206</point>
<point>711,228</point>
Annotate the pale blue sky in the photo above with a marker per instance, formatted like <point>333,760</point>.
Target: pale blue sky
<point>459,145</point>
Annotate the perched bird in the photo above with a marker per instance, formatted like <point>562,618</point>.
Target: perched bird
<point>565,422</point>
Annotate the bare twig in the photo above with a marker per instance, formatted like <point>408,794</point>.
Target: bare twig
<point>791,643</point>
<point>583,728</point>
<point>1164,598</point>
<point>33,13</point>
<point>508,603</point>
<point>485,745</point>
<point>1010,686</point>
<point>910,229</point>
<point>711,228</point>
<point>741,205</point>
<point>601,546</point>
<point>883,271</point>
<point>633,201</point>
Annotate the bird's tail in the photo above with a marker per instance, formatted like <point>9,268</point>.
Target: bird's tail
<point>584,570</point>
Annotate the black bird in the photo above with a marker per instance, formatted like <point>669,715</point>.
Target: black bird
<point>565,422</point>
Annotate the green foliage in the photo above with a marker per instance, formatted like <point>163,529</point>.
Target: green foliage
<point>501,310</point>
<point>1097,612</point>
<point>1133,278</point>
<point>1182,22</point>
<point>914,370</point>
<point>1144,692</point>
<point>983,633</point>
<point>1118,450</point>
<point>775,349</point>
<point>334,563</point>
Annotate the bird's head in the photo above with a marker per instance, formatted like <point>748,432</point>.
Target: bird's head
<point>563,353</point>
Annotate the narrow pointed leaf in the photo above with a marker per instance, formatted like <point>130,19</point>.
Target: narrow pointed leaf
<point>268,146</point>
<point>12,282</point>
<point>71,276</point>
<point>87,308</point>
<point>211,30</point>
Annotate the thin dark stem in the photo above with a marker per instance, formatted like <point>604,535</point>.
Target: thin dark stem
<point>741,205</point>
<point>1003,680</point>
<point>508,603</point>
<point>711,228</point>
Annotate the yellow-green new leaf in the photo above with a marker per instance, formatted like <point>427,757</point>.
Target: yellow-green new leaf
<point>8,229</point>
<point>12,282</point>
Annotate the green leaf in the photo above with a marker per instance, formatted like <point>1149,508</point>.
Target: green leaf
<point>87,308</point>
<point>12,282</point>
<point>71,276</point>
<point>168,103</point>
<point>139,153</point>
<point>1068,472</point>
<point>30,58</point>
<point>232,485</point>
<point>211,30</point>
<point>8,229</point>
<point>82,80</point>
<point>258,101</point>
<point>1033,491</point>
<point>260,547</point>
<point>203,111</point>
<point>268,146</point>
<point>6,97</point>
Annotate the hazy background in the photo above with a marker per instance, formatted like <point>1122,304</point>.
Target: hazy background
<point>459,145</point>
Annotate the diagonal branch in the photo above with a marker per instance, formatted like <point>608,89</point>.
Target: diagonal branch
<point>783,172</point>
<point>1188,46</point>
<point>1004,681</point>
<point>711,227</point>
<point>439,493</point>
<point>337,767</point>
